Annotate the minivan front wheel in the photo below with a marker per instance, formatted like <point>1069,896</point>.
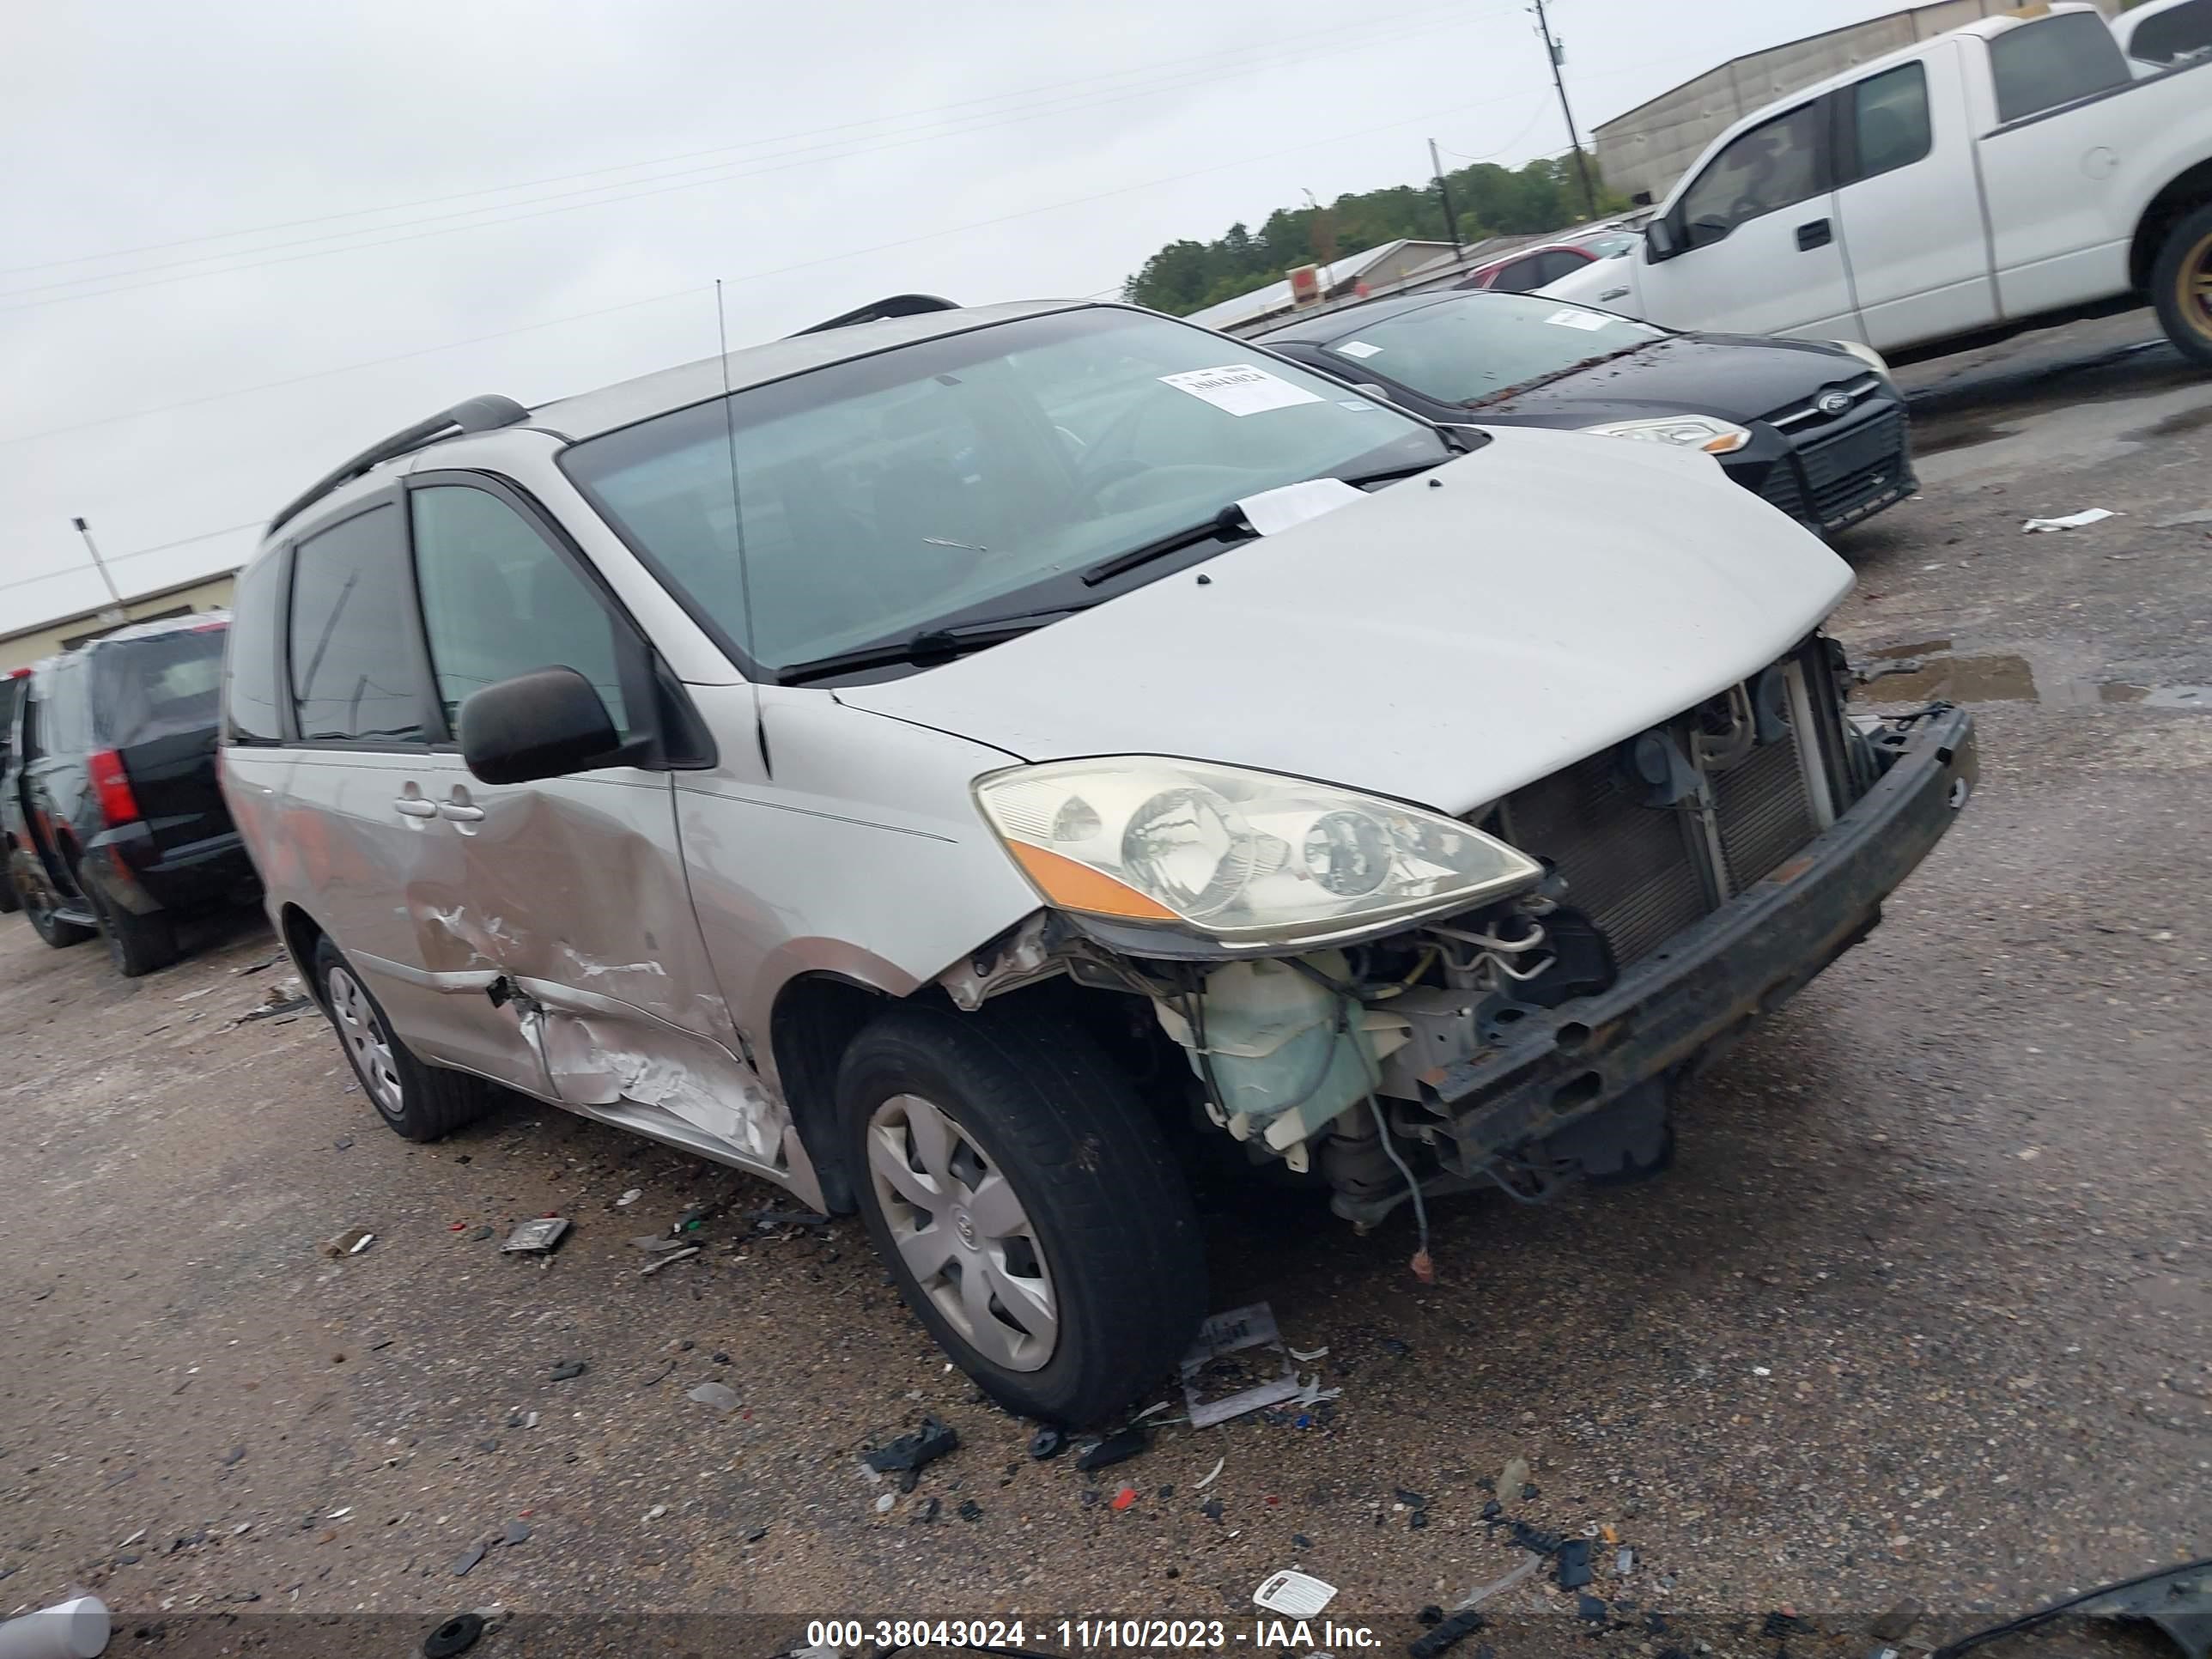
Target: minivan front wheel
<point>1027,1204</point>
<point>419,1101</point>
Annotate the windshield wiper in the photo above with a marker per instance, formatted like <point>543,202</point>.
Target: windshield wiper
<point>1561,373</point>
<point>927,645</point>
<point>1227,525</point>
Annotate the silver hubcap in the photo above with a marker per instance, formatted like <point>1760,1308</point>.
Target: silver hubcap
<point>365,1044</point>
<point>962,1233</point>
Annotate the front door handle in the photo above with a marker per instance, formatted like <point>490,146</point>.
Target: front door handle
<point>414,806</point>
<point>1613,294</point>
<point>459,813</point>
<point>1817,233</point>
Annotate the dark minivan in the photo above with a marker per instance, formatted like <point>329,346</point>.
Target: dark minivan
<point>112,816</point>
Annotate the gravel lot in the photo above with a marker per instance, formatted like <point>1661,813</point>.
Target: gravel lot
<point>1923,1310</point>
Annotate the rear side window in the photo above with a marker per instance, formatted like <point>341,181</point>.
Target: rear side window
<point>498,600</point>
<point>143,689</point>
<point>1777,164</point>
<point>2054,60</point>
<point>1889,120</point>
<point>352,629</point>
<point>253,698</point>
<point>64,721</point>
<point>2167,37</point>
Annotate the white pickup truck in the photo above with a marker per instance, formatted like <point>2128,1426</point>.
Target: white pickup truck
<point>2009,173</point>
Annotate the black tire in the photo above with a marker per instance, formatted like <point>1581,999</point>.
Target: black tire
<point>9,902</point>
<point>136,945</point>
<point>38,906</point>
<point>1090,1174</point>
<point>418,1102</point>
<point>2181,285</point>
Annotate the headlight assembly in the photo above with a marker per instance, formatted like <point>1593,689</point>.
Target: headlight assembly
<point>1707,432</point>
<point>1239,858</point>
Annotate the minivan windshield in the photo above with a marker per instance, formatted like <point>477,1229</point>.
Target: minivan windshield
<point>1469,349</point>
<point>974,478</point>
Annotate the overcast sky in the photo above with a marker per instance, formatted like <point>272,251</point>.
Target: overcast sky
<point>814,156</point>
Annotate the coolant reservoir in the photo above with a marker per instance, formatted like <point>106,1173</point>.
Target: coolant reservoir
<point>1281,1042</point>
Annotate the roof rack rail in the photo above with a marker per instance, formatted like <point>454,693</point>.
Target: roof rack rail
<point>896,305</point>
<point>485,414</point>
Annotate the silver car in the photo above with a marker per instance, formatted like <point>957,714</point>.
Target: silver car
<point>973,766</point>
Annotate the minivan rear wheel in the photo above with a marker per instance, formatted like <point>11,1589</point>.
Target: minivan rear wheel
<point>419,1101</point>
<point>1026,1204</point>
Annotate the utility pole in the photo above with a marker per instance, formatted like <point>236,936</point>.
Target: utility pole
<point>1554,51</point>
<point>1443,190</point>
<point>118,613</point>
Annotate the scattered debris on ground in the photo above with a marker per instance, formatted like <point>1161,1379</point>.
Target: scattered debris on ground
<point>350,1241</point>
<point>673,1257</point>
<point>1295,1594</point>
<point>1048,1442</point>
<point>1132,1441</point>
<point>2088,515</point>
<point>910,1452</point>
<point>1228,1370</point>
<point>565,1369</point>
<point>719,1395</point>
<point>455,1637</point>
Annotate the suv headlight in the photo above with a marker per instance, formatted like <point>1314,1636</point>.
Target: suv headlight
<point>1705,432</point>
<point>1242,858</point>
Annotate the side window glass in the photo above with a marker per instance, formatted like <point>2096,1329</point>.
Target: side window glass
<point>498,600</point>
<point>1776,164</point>
<point>2167,37</point>
<point>1889,114</point>
<point>249,690</point>
<point>2054,60</point>
<point>353,669</point>
<point>1519,277</point>
<point>1552,266</point>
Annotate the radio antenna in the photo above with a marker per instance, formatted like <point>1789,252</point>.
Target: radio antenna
<point>738,525</point>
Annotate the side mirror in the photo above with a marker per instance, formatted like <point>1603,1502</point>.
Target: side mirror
<point>547,723</point>
<point>1659,240</point>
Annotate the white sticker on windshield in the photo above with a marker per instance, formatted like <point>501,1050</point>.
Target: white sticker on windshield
<point>1581,320</point>
<point>1240,388</point>
<point>1359,349</point>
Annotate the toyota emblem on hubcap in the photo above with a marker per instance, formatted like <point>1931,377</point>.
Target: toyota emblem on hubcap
<point>965,1224</point>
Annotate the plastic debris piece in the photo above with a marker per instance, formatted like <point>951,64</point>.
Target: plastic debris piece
<point>630,1197</point>
<point>456,1636</point>
<point>346,1242</point>
<point>466,1560</point>
<point>655,1244</point>
<point>1211,1509</point>
<point>656,1511</point>
<point>1492,1510</point>
<point>932,1441</point>
<point>1152,1411</point>
<point>884,1503</point>
<point>1219,1464</point>
<point>719,1395</point>
<point>1624,1562</point>
<point>1048,1442</point>
<point>1535,1539</point>
<point>2088,516</point>
<point>1449,1632</point>
<point>1295,1594</point>
<point>1432,1615</point>
<point>1211,1367</point>
<point>1123,1498</point>
<point>1590,1607</point>
<point>564,1370</point>
<point>1482,1593</point>
<point>653,1268</point>
<point>480,1235</point>
<point>1574,1556</point>
<point>1425,1268</point>
<point>1411,1500</point>
<point>1897,1624</point>
<point>1310,1392</point>
<point>518,1532</point>
<point>1608,1533</point>
<point>1515,1478</point>
<point>1307,1355</point>
<point>537,1237</point>
<point>969,1510</point>
<point>1132,1441</point>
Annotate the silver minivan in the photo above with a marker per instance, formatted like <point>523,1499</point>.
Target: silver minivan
<point>977,767</point>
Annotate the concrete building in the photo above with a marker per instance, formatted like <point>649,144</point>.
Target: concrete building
<point>22,645</point>
<point>1653,145</point>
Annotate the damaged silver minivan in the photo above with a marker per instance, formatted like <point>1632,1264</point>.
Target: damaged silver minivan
<point>956,764</point>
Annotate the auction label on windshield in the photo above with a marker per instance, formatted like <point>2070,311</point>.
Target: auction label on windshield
<point>1240,388</point>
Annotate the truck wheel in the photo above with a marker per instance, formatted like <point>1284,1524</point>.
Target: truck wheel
<point>1027,1205</point>
<point>136,945</point>
<point>38,906</point>
<point>419,1101</point>
<point>2181,285</point>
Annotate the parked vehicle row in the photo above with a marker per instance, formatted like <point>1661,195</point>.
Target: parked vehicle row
<point>2014,171</point>
<point>958,764</point>
<point>111,815</point>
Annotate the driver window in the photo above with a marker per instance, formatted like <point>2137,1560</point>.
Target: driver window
<point>1776,164</point>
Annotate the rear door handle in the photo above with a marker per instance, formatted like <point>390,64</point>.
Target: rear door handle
<point>1817,233</point>
<point>459,813</point>
<point>414,806</point>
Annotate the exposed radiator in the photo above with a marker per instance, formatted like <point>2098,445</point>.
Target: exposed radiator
<point>1764,812</point>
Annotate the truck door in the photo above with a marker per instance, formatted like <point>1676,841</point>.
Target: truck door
<point>1907,206</point>
<point>1750,246</point>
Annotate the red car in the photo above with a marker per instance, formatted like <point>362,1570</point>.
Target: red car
<point>1528,268</point>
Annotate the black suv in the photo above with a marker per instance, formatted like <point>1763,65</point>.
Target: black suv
<point>11,693</point>
<point>112,816</point>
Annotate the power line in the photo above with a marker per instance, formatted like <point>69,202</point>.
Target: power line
<point>1366,26</point>
<point>604,195</point>
<point>850,253</point>
<point>124,559</point>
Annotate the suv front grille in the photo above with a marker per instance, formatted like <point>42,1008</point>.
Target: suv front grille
<point>1644,874</point>
<point>1846,471</point>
